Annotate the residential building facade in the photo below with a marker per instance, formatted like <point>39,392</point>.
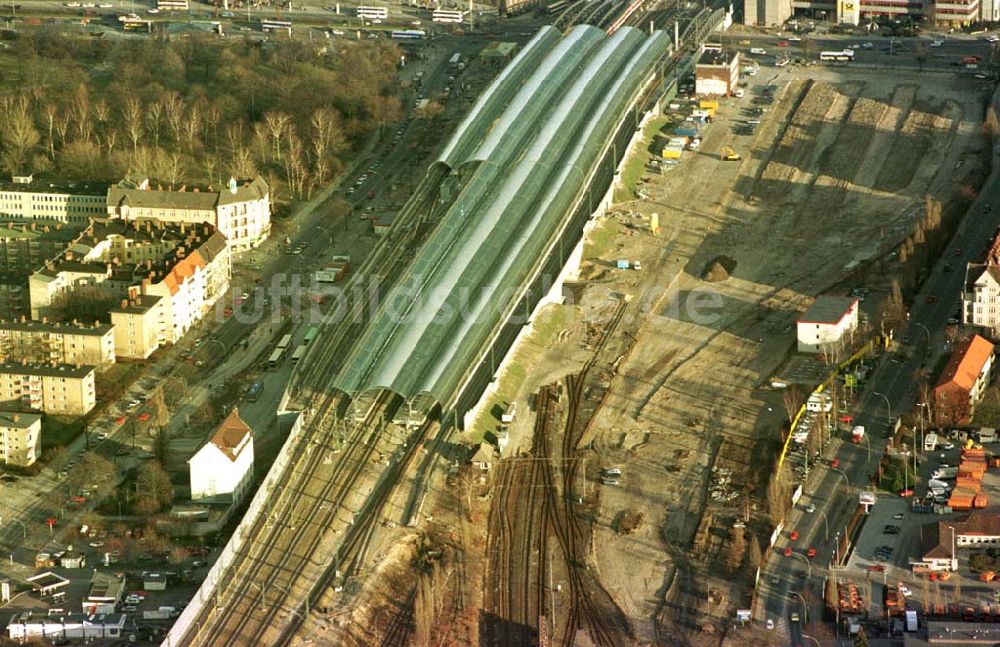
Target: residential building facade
<point>829,321</point>
<point>981,297</point>
<point>224,465</point>
<point>940,541</point>
<point>241,212</point>
<point>953,13</point>
<point>72,204</point>
<point>64,389</point>
<point>57,343</point>
<point>139,326</point>
<point>20,438</point>
<point>963,381</point>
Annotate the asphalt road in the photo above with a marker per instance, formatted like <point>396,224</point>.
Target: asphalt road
<point>893,380</point>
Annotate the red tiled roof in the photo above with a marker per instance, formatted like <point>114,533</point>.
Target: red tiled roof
<point>231,434</point>
<point>966,363</point>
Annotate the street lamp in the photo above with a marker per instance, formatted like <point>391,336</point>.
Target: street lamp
<point>805,609</point>
<point>812,639</point>
<point>888,406</point>
<point>809,566</point>
<point>826,526</point>
<point>954,559</point>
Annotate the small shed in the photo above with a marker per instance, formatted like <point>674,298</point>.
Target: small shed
<point>73,559</point>
<point>484,457</point>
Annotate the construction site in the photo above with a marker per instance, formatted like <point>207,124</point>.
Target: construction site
<point>643,432</point>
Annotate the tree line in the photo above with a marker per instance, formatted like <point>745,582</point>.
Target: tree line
<point>197,109</point>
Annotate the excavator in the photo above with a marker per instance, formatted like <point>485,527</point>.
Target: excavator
<point>729,155</point>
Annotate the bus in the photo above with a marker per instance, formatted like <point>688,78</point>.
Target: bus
<point>841,56</point>
<point>556,7</point>
<point>373,13</point>
<point>311,334</point>
<point>253,393</point>
<point>271,25</point>
<point>132,24</point>
<point>275,359</point>
<point>448,15</point>
<point>297,355</point>
<point>408,34</point>
<point>285,342</point>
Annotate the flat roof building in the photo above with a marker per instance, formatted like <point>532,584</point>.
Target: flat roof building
<point>20,438</point>
<point>63,389</point>
<point>826,323</point>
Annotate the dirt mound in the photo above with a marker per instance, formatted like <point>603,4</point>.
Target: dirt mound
<point>719,269</point>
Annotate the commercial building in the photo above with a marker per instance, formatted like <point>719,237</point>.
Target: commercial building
<point>241,212</point>
<point>20,438</point>
<point>940,541</point>
<point>766,13</point>
<point>67,390</point>
<point>224,465</point>
<point>27,625</point>
<point>963,381</point>
<point>57,343</point>
<point>717,71</point>
<point>73,204</point>
<point>106,591</point>
<point>951,13</point>
<point>139,326</point>
<point>828,322</point>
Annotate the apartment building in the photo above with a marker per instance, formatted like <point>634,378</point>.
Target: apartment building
<point>828,321</point>
<point>57,343</point>
<point>224,465</point>
<point>187,266</point>
<point>26,245</point>
<point>62,389</point>
<point>20,438</point>
<point>981,297</point>
<point>963,381</point>
<point>14,295</point>
<point>241,212</point>
<point>72,204</point>
<point>139,326</point>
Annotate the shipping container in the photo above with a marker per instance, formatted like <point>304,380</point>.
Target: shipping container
<point>687,130</point>
<point>672,152</point>
<point>981,500</point>
<point>708,104</point>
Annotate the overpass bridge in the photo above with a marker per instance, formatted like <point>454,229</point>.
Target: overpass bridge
<point>476,248</point>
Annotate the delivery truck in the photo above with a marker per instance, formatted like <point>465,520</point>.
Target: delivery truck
<point>945,473</point>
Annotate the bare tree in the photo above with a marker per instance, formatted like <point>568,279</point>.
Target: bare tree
<point>736,550</point>
<point>277,124</point>
<point>152,482</point>
<point>17,132</point>
<point>132,120</point>
<point>792,399</point>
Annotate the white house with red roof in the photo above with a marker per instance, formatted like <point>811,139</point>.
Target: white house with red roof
<point>224,465</point>
<point>827,321</point>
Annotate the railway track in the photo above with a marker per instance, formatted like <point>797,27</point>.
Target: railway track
<point>350,553</point>
<point>282,556</point>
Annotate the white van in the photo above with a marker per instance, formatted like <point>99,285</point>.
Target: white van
<point>758,51</point>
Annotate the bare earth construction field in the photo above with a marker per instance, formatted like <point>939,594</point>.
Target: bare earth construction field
<point>833,179</point>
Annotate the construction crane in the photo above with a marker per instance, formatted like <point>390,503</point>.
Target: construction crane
<point>729,155</point>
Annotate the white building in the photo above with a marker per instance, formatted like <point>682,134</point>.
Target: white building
<point>241,212</point>
<point>717,72</point>
<point>827,321</point>
<point>20,438</point>
<point>224,465</point>
<point>26,625</point>
<point>63,389</point>
<point>981,298</point>
<point>72,204</point>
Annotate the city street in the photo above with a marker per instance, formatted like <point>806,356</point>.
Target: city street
<point>891,391</point>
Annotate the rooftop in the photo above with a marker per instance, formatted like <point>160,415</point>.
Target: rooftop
<point>966,363</point>
<point>827,309</point>
<point>138,304</point>
<point>12,419</point>
<point>716,57</point>
<point>44,185</point>
<point>139,193</point>
<point>105,585</point>
<point>96,329</point>
<point>62,370</point>
<point>232,435</point>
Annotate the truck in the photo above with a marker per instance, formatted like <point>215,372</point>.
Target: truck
<point>945,473</point>
<point>858,433</point>
<point>163,613</point>
<point>987,435</point>
<point>930,442</point>
<point>911,620</point>
<point>936,484</point>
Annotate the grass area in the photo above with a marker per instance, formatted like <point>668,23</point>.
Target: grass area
<point>600,240</point>
<point>546,326</point>
<point>635,164</point>
<point>60,430</point>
